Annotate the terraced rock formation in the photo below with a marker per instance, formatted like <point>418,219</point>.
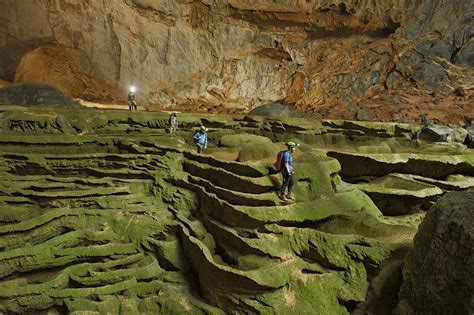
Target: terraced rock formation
<point>104,211</point>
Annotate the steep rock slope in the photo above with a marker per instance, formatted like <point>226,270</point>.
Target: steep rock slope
<point>331,57</point>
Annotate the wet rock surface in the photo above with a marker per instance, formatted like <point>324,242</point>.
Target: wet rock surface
<point>104,210</point>
<point>438,271</point>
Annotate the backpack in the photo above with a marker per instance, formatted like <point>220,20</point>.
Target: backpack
<point>279,161</point>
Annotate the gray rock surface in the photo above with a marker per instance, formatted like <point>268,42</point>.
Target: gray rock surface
<point>470,137</point>
<point>459,134</point>
<point>365,115</point>
<point>275,110</point>
<point>436,133</point>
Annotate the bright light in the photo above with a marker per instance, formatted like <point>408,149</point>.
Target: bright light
<point>132,89</point>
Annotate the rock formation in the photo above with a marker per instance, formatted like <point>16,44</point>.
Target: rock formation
<point>439,269</point>
<point>393,59</point>
<point>102,210</point>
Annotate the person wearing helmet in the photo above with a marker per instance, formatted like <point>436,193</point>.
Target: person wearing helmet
<point>173,121</point>
<point>200,138</point>
<point>132,99</point>
<point>287,172</point>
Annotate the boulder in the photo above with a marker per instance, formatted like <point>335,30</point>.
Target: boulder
<point>436,133</point>
<point>35,94</point>
<point>3,83</point>
<point>469,141</point>
<point>276,110</point>
<point>459,134</point>
<point>438,271</point>
<point>366,115</point>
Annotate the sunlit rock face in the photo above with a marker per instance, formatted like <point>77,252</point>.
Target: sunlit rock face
<point>240,53</point>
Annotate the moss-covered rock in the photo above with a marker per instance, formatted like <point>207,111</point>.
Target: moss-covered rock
<point>397,194</point>
<point>257,151</point>
<point>115,215</point>
<point>438,271</point>
<point>239,140</point>
<point>433,166</point>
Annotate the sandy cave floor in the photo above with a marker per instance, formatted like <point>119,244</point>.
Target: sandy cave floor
<point>408,109</point>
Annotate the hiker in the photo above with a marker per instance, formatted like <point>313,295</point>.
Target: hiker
<point>173,121</point>
<point>287,172</point>
<point>132,99</point>
<point>200,138</point>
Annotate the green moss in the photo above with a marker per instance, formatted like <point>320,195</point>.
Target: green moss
<point>118,216</point>
<point>258,151</point>
<point>239,140</point>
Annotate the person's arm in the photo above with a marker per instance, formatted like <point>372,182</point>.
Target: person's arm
<point>286,162</point>
<point>205,141</point>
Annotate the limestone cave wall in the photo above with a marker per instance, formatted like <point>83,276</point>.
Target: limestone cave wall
<point>319,55</point>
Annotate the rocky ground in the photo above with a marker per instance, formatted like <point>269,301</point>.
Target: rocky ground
<point>104,210</point>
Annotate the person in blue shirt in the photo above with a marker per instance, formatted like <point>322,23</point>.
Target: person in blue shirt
<point>200,138</point>
<point>287,172</point>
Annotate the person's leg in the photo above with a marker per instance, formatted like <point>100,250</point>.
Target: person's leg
<point>284,185</point>
<point>290,187</point>
<point>199,148</point>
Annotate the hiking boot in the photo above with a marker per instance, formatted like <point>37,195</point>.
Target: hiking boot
<point>283,197</point>
<point>290,197</point>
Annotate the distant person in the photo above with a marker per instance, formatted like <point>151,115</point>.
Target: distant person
<point>132,99</point>
<point>287,172</point>
<point>200,138</point>
<point>173,121</point>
